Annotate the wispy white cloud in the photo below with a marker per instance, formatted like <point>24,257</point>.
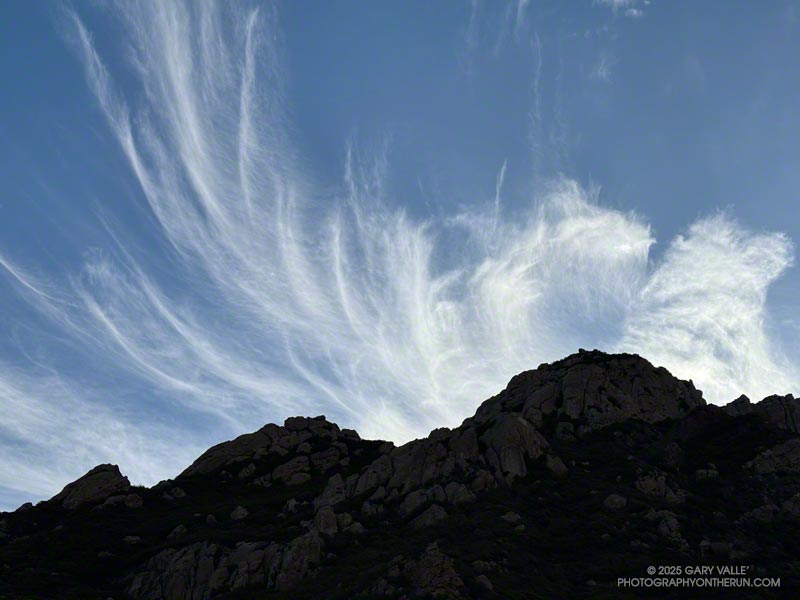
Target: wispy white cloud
<point>703,311</point>
<point>54,429</point>
<point>629,8</point>
<point>602,70</point>
<point>519,19</point>
<point>284,303</point>
<point>617,4</point>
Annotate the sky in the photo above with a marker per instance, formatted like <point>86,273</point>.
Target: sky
<point>218,215</point>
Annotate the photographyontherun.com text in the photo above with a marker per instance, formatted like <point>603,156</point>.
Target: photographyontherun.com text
<point>698,576</point>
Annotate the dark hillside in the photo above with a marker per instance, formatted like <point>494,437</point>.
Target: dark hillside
<point>580,472</point>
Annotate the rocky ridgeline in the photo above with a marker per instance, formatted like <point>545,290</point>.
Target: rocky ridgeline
<point>308,506</point>
<point>782,412</point>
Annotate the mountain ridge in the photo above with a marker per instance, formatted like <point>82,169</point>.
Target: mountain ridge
<point>281,509</point>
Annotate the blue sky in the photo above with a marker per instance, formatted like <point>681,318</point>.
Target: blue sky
<point>215,216</point>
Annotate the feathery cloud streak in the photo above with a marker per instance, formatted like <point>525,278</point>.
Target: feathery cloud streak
<point>294,304</point>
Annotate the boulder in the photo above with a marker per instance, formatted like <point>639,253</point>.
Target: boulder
<point>739,407</point>
<point>483,582</point>
<point>326,459</point>
<point>719,550</point>
<point>418,463</point>
<point>298,479</point>
<point>668,526</point>
<point>242,448</point>
<point>247,471</point>
<point>325,521</point>
<point>672,455</point>
<point>351,434</point>
<point>335,492</point>
<point>285,472</point>
<point>511,518</point>
<point>412,502</point>
<point>355,528</point>
<point>783,458</point>
<point>615,502</point>
<point>374,475</point>
<point>790,509</point>
<point>178,532</point>
<point>430,517</point>
<point>239,513</point>
<point>463,445</point>
<point>458,493</point>
<point>263,480</point>
<point>654,484</point>
<point>510,441</point>
<point>565,430</point>
<point>766,513</point>
<point>344,520</point>
<point>482,481</point>
<point>128,500</point>
<point>133,501</point>
<point>556,466</point>
<point>301,555</point>
<point>434,575</point>
<point>97,485</point>
<point>707,474</point>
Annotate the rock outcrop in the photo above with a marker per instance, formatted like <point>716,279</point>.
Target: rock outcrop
<point>782,412</point>
<point>98,484</point>
<point>783,458</point>
<point>203,570</point>
<point>591,390</point>
<point>270,438</point>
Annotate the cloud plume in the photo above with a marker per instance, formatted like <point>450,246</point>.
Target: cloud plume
<point>282,300</point>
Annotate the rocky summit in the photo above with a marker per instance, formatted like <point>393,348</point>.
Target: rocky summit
<point>580,475</point>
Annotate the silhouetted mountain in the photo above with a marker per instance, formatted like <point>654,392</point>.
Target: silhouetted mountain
<point>580,472</point>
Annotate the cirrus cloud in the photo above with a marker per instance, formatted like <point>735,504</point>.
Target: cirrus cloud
<point>281,300</point>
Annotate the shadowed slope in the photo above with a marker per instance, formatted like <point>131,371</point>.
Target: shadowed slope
<point>579,472</point>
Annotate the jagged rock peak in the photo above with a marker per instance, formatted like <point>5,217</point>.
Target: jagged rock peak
<point>594,389</point>
<point>782,412</point>
<point>294,432</point>
<point>583,392</point>
<point>98,484</point>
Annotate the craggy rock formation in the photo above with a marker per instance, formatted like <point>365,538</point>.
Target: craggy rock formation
<point>203,570</point>
<point>779,411</point>
<point>98,484</point>
<point>783,458</point>
<point>591,390</point>
<point>579,472</point>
